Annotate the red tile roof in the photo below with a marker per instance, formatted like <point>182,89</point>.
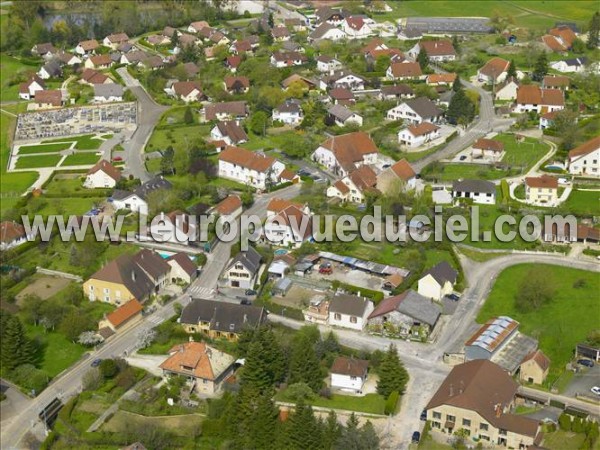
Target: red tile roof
<point>403,170</point>
<point>489,144</point>
<point>530,94</point>
<point>545,181</point>
<point>422,128</point>
<point>246,158</point>
<point>350,148</point>
<point>495,67</point>
<point>124,313</point>
<point>101,60</point>
<point>585,148</point>
<point>443,47</point>
<point>107,168</point>
<point>553,44</point>
<point>229,205</point>
<point>349,366</point>
<point>437,78</point>
<point>51,96</point>
<point>406,69</point>
<point>11,231</point>
<point>539,358</point>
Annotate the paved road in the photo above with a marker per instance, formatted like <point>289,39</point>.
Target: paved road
<point>69,384</point>
<point>149,113</point>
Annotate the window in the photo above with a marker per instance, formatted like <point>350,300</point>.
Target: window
<point>91,288</point>
<point>483,426</point>
<point>502,432</point>
<point>436,425</point>
<point>353,319</point>
<point>106,290</point>
<point>466,423</point>
<point>437,415</point>
<point>450,418</point>
<point>337,316</point>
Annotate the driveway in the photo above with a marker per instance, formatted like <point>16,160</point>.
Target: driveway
<point>583,381</point>
<point>14,403</point>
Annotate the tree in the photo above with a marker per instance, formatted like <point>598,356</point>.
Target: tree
<point>534,291</point>
<point>166,162</point>
<point>578,46</point>
<point>73,324</point>
<point>382,63</point>
<point>175,39</point>
<point>457,85</point>
<point>511,71</point>
<point>304,364</point>
<point>423,59</point>
<point>265,361</point>
<point>392,374</point>
<point>89,338</point>
<point>565,124</point>
<point>258,123</point>
<point>540,68</point>
<point>92,380</point>
<point>461,109</point>
<point>16,348</point>
<point>594,31</point>
<point>456,43</point>
<point>354,438</point>
<point>188,117</point>
<point>303,431</point>
<point>31,308</point>
<point>108,368</point>
<point>331,431</point>
<point>564,422</point>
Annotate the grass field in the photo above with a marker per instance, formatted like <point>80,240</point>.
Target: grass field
<point>31,162</point>
<point>70,205</point>
<point>524,154</point>
<point>181,138</point>
<point>79,159</point>
<point>183,426</point>
<point>85,142</point>
<point>527,14</point>
<point>583,203</point>
<point>563,440</point>
<point>43,148</point>
<point>455,171</point>
<point>560,324</point>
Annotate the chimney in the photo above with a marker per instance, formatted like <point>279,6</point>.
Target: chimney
<point>451,390</point>
<point>498,408</point>
<point>133,275</point>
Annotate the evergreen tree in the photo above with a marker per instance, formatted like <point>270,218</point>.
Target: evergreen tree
<point>166,163</point>
<point>512,70</point>
<point>16,348</point>
<point>392,374</point>
<point>331,431</point>
<point>423,59</point>
<point>594,31</point>
<point>188,116</point>
<point>304,364</point>
<point>273,355</point>
<point>265,360</point>
<point>354,438</point>
<point>263,428</point>
<point>369,438</point>
<point>541,67</point>
<point>457,85</point>
<point>461,109</point>
<point>256,372</point>
<point>175,39</point>
<point>456,43</point>
<point>270,20</point>
<point>303,430</point>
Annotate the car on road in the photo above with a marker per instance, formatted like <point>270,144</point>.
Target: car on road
<point>596,390</point>
<point>96,362</point>
<point>585,362</point>
<point>245,301</point>
<point>250,292</point>
<point>453,297</point>
<point>423,415</point>
<point>416,437</point>
<point>304,173</point>
<point>463,157</point>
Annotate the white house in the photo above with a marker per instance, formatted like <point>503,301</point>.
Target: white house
<point>87,47</point>
<point>415,111</point>
<point>27,90</point>
<point>507,90</point>
<point>328,64</point>
<point>290,227</point>
<point>354,187</point>
<point>358,27</point>
<point>174,227</point>
<point>250,168</point>
<point>575,65</point>
<point>417,135</point>
<point>51,69</point>
<point>438,281</point>
<point>342,116</point>
<point>349,374</point>
<point>281,59</point>
<point>399,175</point>
<point>584,160</point>
<point>494,71</point>
<point>130,201</point>
<point>342,154</point>
<point>438,51</point>
<point>114,40</point>
<point>326,31</point>
<point>107,93</point>
<point>13,234</point>
<point>404,71</point>
<point>487,148</point>
<point>230,132</point>
<point>188,91</point>
<point>102,175</point>
<point>242,272</point>
<point>349,311</point>
<point>289,112</point>
<point>342,79</point>
<point>533,98</point>
<point>541,191</point>
<point>480,191</point>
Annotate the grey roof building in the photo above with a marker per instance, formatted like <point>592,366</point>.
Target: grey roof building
<point>340,112</point>
<point>223,317</point>
<point>411,304</point>
<point>474,186</point>
<point>442,272</point>
<point>151,186</point>
<point>250,259</point>
<point>349,304</point>
<point>108,90</point>
<point>424,107</point>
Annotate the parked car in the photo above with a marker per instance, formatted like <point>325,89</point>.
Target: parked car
<point>96,362</point>
<point>596,390</point>
<point>453,297</point>
<point>325,269</point>
<point>423,415</point>
<point>585,362</point>
<point>245,301</point>
<point>463,157</point>
<point>250,292</point>
<point>303,173</point>
<point>416,437</point>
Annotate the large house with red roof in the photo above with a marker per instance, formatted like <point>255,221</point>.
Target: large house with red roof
<point>342,154</point>
<point>288,224</point>
<point>532,98</point>
<point>102,175</point>
<point>440,50</point>
<point>584,160</point>
<point>250,168</point>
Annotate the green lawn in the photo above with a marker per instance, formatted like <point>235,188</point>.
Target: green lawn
<point>524,154</point>
<point>455,171</point>
<point>560,324</point>
<point>370,403</point>
<point>181,137</point>
<point>31,162</point>
<point>69,205</point>
<point>563,440</point>
<point>85,142</point>
<point>44,148</point>
<point>79,159</point>
<point>11,70</point>
<point>583,203</point>
<point>59,352</point>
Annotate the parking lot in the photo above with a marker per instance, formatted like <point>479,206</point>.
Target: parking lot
<point>73,121</point>
<point>353,277</point>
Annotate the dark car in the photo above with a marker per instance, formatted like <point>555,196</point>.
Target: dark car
<point>453,297</point>
<point>463,157</point>
<point>416,437</point>
<point>586,362</point>
<point>424,415</point>
<point>96,362</point>
<point>303,173</point>
<point>250,292</point>
<point>245,301</point>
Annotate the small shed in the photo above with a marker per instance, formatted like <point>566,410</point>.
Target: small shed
<point>278,269</point>
<point>282,286</point>
<point>303,268</point>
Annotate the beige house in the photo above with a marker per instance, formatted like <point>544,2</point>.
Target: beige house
<point>205,368</point>
<point>534,368</point>
<point>478,397</point>
<point>438,281</point>
<point>541,191</point>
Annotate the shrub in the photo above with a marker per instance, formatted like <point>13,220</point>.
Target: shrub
<point>391,402</point>
<point>299,391</point>
<point>108,368</point>
<point>564,422</point>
